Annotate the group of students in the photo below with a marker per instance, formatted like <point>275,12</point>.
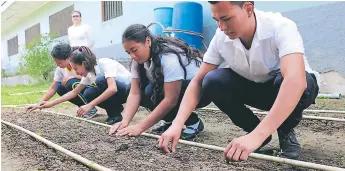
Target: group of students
<point>266,69</point>
<point>161,70</point>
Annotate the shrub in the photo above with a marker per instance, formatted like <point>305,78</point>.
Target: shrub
<point>36,60</point>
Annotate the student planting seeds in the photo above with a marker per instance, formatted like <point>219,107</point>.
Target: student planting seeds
<point>161,68</point>
<point>111,79</point>
<point>267,70</point>
<point>65,80</point>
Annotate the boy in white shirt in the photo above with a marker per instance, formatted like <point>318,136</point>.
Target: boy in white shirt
<point>267,70</point>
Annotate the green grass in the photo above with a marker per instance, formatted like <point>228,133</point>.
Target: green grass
<point>7,99</point>
<point>329,104</point>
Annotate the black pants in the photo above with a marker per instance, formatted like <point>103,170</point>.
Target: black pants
<point>112,105</point>
<point>71,84</point>
<point>193,118</point>
<point>230,92</point>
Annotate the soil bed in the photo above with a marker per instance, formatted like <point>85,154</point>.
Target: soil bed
<point>321,144</point>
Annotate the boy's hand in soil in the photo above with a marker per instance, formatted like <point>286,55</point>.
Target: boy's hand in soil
<point>84,109</point>
<point>134,130</point>
<point>240,148</point>
<point>118,126</point>
<point>172,134</point>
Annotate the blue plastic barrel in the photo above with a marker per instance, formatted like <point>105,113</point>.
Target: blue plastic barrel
<point>188,16</point>
<point>162,15</point>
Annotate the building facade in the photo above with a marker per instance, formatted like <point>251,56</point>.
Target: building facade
<point>322,26</point>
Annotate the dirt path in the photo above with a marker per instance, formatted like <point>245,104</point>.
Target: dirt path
<point>322,143</point>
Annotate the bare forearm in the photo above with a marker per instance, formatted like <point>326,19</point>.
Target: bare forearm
<point>189,102</point>
<point>289,95</point>
<point>158,113</point>
<point>66,97</point>
<point>132,105</point>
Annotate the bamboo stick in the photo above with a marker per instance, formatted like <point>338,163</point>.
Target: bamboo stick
<point>304,116</point>
<point>77,157</point>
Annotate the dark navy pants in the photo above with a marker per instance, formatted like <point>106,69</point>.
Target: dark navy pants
<point>71,84</point>
<point>113,105</point>
<point>230,92</point>
<point>193,118</point>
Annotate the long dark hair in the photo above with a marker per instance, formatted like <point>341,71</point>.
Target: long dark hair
<point>159,46</point>
<point>84,55</point>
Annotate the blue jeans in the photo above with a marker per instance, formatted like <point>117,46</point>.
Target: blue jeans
<point>193,118</point>
<point>230,92</point>
<point>71,84</point>
<point>112,105</point>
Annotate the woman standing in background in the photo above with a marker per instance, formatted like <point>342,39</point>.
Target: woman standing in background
<point>79,34</point>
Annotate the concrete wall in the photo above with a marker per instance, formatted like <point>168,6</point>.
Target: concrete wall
<point>108,34</point>
<point>332,82</point>
<point>322,26</point>
<point>323,31</point>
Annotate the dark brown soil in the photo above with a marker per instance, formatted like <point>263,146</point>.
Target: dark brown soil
<point>322,143</point>
<point>21,152</point>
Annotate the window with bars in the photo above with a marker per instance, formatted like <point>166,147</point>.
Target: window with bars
<point>32,33</point>
<point>12,46</point>
<point>111,9</point>
<point>61,21</point>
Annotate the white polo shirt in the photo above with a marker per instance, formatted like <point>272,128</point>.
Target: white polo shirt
<point>172,70</point>
<point>108,68</point>
<point>275,37</point>
<point>60,73</point>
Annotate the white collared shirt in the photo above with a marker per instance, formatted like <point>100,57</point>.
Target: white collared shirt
<point>275,37</point>
<point>171,68</point>
<point>108,68</point>
<point>61,73</point>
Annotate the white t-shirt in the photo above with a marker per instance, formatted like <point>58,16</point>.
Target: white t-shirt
<point>275,37</point>
<point>108,68</point>
<point>171,67</point>
<point>80,36</point>
<point>60,73</point>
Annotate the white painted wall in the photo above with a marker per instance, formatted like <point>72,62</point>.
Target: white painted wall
<point>110,32</point>
<point>105,33</point>
<point>9,63</point>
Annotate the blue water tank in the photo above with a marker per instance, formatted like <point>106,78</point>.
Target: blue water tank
<point>162,15</point>
<point>188,16</point>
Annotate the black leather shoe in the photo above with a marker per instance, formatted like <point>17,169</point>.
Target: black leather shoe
<point>113,120</point>
<point>288,144</point>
